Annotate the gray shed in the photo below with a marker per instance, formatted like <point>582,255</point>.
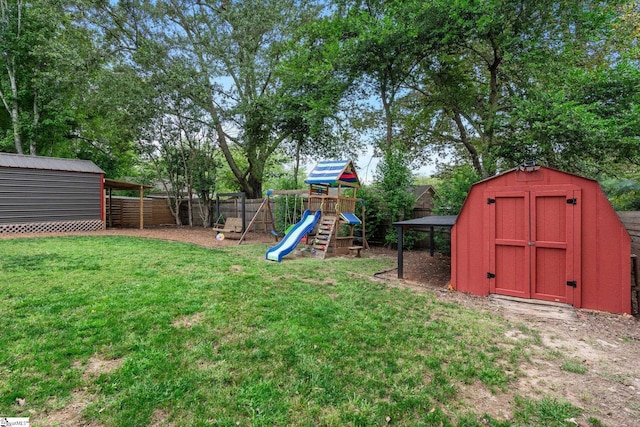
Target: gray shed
<point>45,194</point>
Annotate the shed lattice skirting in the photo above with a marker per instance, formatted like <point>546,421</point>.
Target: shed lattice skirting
<point>52,227</point>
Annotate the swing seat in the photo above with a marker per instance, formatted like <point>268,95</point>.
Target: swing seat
<point>231,225</point>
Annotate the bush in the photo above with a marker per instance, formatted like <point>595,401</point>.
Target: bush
<point>624,194</point>
<point>453,189</point>
<point>389,200</point>
<point>375,221</point>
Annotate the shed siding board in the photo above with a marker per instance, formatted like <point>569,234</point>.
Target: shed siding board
<point>31,195</point>
<point>601,263</point>
<point>469,275</point>
<point>590,237</point>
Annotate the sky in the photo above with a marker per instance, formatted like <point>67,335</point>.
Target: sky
<point>367,164</point>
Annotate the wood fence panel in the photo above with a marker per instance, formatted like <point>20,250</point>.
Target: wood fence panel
<point>125,212</point>
<point>197,208</point>
<point>420,212</point>
<point>631,221</point>
<point>232,208</point>
<point>161,213</point>
<point>114,212</point>
<point>131,212</point>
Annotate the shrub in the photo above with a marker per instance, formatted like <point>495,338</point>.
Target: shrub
<point>389,200</point>
<point>453,189</point>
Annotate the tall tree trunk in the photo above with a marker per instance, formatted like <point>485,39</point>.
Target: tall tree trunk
<point>221,139</point>
<point>188,183</point>
<point>176,210</point>
<point>36,123</point>
<point>386,105</point>
<point>489,162</point>
<point>11,105</point>
<point>464,137</point>
<point>296,165</point>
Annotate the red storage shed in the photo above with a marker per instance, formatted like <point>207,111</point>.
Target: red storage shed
<point>539,233</point>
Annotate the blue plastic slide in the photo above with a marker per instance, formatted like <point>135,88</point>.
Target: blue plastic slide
<point>293,237</point>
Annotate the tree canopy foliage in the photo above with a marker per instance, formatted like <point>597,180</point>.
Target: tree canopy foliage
<point>493,83</point>
<point>238,84</point>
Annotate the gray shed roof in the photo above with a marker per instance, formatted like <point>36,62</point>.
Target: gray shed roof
<point>439,221</point>
<point>47,163</point>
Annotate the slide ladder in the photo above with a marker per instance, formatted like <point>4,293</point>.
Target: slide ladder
<point>322,240</point>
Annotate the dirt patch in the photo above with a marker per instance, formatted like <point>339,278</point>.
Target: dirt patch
<point>160,418</point>
<point>69,415</point>
<point>188,322</point>
<point>98,366</point>
<point>607,345</point>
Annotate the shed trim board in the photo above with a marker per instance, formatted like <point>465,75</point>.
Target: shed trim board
<point>543,234</point>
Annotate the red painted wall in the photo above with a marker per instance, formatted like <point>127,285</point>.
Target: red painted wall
<point>603,247</point>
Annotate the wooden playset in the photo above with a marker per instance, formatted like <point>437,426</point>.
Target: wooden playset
<point>332,191</point>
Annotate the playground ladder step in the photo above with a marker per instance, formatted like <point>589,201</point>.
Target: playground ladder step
<point>322,240</point>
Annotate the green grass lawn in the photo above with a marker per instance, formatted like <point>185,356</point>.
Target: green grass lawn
<point>195,336</point>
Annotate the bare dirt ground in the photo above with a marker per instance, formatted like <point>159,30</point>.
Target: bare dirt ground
<point>606,345</point>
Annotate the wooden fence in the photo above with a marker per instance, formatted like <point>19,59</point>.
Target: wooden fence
<point>631,221</point>
<point>125,212</point>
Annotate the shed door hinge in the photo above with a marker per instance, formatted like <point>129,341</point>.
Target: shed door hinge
<point>490,200</point>
<point>490,276</point>
<point>573,201</point>
<point>572,283</point>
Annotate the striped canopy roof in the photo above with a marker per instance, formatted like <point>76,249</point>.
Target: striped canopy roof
<point>334,173</point>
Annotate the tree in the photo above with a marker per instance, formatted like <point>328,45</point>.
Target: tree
<point>393,179</point>
<point>59,96</point>
<point>184,156</point>
<point>499,52</point>
<point>316,102</point>
<point>452,76</point>
<point>453,187</point>
<point>589,125</point>
<point>35,40</point>
<point>224,57</point>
